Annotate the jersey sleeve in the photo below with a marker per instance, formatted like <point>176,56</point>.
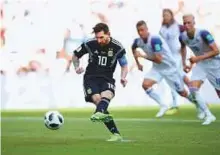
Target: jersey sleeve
<point>123,61</point>
<point>135,44</point>
<point>120,53</point>
<point>80,51</point>
<point>121,56</point>
<point>181,28</point>
<point>181,40</point>
<point>156,44</point>
<point>207,37</point>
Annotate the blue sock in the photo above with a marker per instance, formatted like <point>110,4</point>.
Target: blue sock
<point>103,105</point>
<point>155,97</point>
<point>111,125</point>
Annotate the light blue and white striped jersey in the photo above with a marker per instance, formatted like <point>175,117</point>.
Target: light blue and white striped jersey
<point>156,44</point>
<point>171,35</point>
<point>200,45</point>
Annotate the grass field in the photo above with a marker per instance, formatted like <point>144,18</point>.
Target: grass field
<point>23,133</point>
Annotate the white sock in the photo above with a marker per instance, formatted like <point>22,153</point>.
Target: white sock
<point>174,97</point>
<point>196,98</point>
<point>151,92</point>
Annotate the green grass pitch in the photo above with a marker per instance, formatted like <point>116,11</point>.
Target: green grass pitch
<point>23,133</point>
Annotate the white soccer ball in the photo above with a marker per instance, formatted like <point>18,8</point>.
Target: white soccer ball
<point>53,120</point>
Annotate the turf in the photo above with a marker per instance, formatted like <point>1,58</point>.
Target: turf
<point>23,133</point>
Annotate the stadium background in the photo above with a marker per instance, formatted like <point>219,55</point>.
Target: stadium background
<point>34,30</point>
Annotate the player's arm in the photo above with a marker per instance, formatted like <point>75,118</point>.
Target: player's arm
<point>182,50</point>
<point>183,54</point>
<point>77,54</point>
<point>156,44</point>
<point>124,67</point>
<point>207,37</point>
<point>136,53</point>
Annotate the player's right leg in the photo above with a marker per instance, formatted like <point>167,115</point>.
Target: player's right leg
<point>107,89</point>
<point>101,114</point>
<point>203,110</point>
<point>92,94</point>
<point>199,74</point>
<point>150,79</point>
<point>194,95</point>
<point>174,107</point>
<point>213,75</point>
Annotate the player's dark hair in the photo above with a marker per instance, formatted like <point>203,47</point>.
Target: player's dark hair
<point>101,27</point>
<point>140,23</point>
<point>171,13</point>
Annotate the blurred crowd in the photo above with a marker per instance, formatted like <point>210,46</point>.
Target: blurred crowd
<point>33,33</point>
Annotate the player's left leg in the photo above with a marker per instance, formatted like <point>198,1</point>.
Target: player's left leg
<point>214,78</point>
<point>101,113</point>
<point>174,107</point>
<point>175,98</point>
<point>176,81</point>
<point>151,78</point>
<point>102,107</point>
<point>107,90</point>
<point>107,93</point>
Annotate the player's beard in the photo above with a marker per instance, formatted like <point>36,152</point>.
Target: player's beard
<point>106,42</point>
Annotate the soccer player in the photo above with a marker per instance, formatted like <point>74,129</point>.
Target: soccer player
<point>170,31</point>
<point>164,66</point>
<point>207,59</point>
<point>99,84</point>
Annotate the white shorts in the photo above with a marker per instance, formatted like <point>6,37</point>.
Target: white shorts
<point>201,73</point>
<point>173,78</point>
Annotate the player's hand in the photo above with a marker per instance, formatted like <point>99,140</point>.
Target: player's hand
<point>124,82</point>
<point>187,69</point>
<point>140,67</point>
<point>138,54</point>
<point>194,60</point>
<point>79,70</point>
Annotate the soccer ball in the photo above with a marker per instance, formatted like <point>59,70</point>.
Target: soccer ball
<point>53,120</point>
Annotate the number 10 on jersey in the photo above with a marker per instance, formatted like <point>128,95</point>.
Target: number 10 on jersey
<point>102,60</point>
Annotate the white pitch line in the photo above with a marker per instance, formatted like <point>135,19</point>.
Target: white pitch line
<point>168,120</point>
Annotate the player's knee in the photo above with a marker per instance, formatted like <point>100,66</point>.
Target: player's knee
<point>96,98</point>
<point>186,80</point>
<point>194,85</point>
<point>107,94</point>
<point>146,85</point>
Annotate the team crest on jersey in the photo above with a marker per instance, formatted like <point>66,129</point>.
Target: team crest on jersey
<point>209,37</point>
<point>89,91</point>
<point>110,53</point>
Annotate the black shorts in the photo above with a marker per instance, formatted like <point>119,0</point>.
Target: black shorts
<point>95,85</point>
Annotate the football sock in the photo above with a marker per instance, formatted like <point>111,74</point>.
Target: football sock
<point>103,105</point>
<point>151,92</point>
<point>111,125</point>
<point>196,98</point>
<point>174,97</point>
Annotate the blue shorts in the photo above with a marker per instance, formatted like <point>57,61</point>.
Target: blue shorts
<point>95,85</point>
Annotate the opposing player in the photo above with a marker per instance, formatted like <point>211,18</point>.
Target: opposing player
<point>170,31</point>
<point>164,66</point>
<point>207,59</point>
<point>99,84</point>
